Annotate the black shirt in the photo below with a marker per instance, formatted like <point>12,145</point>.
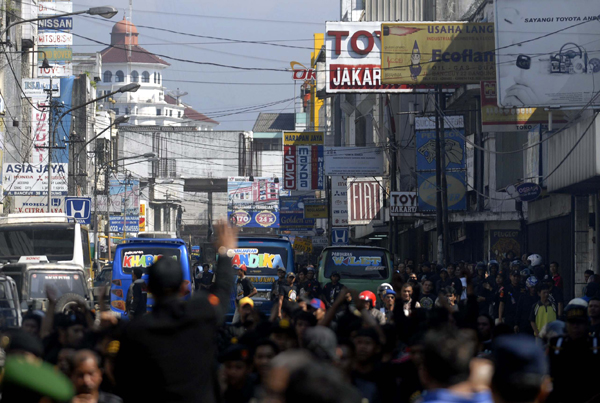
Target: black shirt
<point>244,288</point>
<point>331,291</point>
<point>275,289</point>
<point>289,292</point>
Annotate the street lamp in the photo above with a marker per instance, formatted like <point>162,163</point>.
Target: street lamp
<point>133,87</point>
<point>104,12</point>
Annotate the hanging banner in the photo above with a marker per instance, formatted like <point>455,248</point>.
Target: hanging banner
<point>365,201</point>
<point>253,204</point>
<point>427,190</point>
<point>339,201</point>
<point>454,143</point>
<point>40,132</point>
<point>437,53</point>
<point>354,161</point>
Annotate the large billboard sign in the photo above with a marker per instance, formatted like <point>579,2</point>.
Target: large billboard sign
<point>353,59</point>
<point>339,201</point>
<point>253,204</point>
<point>539,69</point>
<point>32,179</point>
<point>291,215</point>
<point>365,201</point>
<point>437,53</point>
<point>303,161</point>
<point>454,143</point>
<point>354,161</point>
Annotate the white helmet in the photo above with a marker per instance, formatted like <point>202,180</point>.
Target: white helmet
<point>535,259</point>
<point>384,287</point>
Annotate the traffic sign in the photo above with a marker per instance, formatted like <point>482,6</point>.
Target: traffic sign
<point>79,208</point>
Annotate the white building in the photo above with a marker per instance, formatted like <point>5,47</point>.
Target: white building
<point>126,62</point>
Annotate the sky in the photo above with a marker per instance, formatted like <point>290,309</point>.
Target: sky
<point>281,22</point>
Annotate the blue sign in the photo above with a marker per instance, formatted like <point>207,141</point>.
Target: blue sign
<point>80,208</point>
<point>457,191</point>
<point>259,217</point>
<point>340,236</point>
<point>528,192</point>
<point>291,214</point>
<point>63,128</point>
<point>132,224</point>
<point>454,147</point>
<point>58,23</point>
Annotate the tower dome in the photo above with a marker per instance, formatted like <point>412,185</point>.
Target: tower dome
<point>124,33</point>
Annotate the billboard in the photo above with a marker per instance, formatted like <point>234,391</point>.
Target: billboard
<point>315,208</point>
<point>353,59</point>
<point>536,69</point>
<point>253,204</point>
<point>53,38</point>
<point>339,201</point>
<point>427,190</point>
<point>354,161</point>
<point>365,201</point>
<point>437,53</point>
<point>132,224</point>
<point>454,143</point>
<point>123,199</point>
<point>291,215</point>
<point>32,179</point>
<point>496,119</point>
<point>403,203</point>
<point>37,204</point>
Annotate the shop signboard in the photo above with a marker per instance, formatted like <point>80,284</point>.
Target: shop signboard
<point>454,139</point>
<point>403,203</point>
<point>427,190</point>
<point>32,179</point>
<point>339,201</point>
<point>365,201</point>
<point>354,161</point>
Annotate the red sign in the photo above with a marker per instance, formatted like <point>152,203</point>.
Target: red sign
<point>365,201</point>
<point>302,73</point>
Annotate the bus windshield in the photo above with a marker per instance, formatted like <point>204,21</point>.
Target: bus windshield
<point>145,256</point>
<point>52,241</point>
<point>261,260</point>
<point>365,264</point>
<point>65,283</point>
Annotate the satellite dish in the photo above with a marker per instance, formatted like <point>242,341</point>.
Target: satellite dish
<point>177,94</point>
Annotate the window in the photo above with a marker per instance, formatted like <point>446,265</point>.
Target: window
<point>158,78</point>
<point>135,77</point>
<point>107,76</point>
<point>171,112</point>
<point>155,78</point>
<point>116,110</point>
<point>119,77</point>
<point>145,77</point>
<point>167,168</point>
<point>158,112</point>
<point>127,110</point>
<point>178,114</point>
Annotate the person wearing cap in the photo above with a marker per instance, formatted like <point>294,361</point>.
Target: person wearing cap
<point>172,348</point>
<point>277,284</point>
<point>574,358</point>
<point>312,284</point>
<point>245,323</point>
<point>237,367</point>
<point>333,288</point>
<point>444,281</point>
<point>244,288</point>
<point>524,307</point>
<point>389,302</point>
<point>86,375</point>
<point>317,307</point>
<point>520,370</point>
<point>509,299</point>
<point>556,294</point>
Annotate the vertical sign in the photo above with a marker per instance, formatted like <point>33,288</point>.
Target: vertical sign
<point>303,165</point>
<point>40,119</point>
<point>339,201</point>
<point>365,201</point>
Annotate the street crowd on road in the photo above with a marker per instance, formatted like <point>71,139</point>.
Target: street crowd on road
<point>456,333</point>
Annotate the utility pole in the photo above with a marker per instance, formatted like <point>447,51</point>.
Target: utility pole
<point>107,190</point>
<point>438,182</point>
<point>446,228</point>
<point>50,141</point>
<point>393,232</point>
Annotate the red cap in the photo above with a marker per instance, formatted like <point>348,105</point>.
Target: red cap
<point>243,267</point>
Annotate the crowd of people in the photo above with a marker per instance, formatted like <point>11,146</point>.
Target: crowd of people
<point>457,333</point>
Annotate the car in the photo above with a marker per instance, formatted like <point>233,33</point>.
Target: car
<point>69,280</point>
<point>10,307</point>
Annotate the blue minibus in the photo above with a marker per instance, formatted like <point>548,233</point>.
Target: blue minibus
<point>143,252</point>
<point>262,255</point>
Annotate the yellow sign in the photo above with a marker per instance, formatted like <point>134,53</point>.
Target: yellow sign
<point>303,245</point>
<point>142,217</point>
<point>437,53</point>
<point>315,211</point>
<point>303,138</point>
